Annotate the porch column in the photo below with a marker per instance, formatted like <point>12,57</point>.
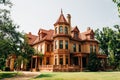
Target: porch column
<point>31,63</point>
<point>57,59</point>
<point>81,63</point>
<point>64,59</point>
<point>36,64</point>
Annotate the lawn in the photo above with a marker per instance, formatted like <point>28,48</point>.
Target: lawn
<point>79,76</point>
<point>7,74</point>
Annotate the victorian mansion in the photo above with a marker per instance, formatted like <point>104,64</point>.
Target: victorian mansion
<point>65,48</point>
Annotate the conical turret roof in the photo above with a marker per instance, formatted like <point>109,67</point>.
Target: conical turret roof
<point>61,20</point>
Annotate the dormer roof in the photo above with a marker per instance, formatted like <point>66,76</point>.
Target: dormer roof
<point>75,29</point>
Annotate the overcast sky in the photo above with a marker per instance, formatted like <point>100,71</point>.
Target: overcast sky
<point>32,15</point>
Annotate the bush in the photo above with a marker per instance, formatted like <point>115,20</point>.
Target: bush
<point>7,69</point>
<point>93,62</point>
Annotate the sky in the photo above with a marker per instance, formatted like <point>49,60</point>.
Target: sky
<point>31,15</point>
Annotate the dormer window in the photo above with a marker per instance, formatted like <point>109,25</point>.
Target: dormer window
<point>91,37</point>
<point>76,35</point>
<point>66,30</point>
<point>60,29</point>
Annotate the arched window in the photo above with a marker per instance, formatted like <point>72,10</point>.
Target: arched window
<point>56,30</point>
<point>60,29</point>
<point>66,30</point>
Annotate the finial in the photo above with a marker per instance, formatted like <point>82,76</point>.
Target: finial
<point>61,11</point>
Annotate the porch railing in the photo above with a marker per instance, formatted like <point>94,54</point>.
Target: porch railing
<point>60,67</point>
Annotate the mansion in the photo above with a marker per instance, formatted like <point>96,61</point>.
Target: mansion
<point>65,48</point>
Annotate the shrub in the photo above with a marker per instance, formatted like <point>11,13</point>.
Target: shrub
<point>7,69</point>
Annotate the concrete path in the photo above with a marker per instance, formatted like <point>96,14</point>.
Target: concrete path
<point>24,76</point>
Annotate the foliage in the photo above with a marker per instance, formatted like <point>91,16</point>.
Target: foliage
<point>11,40</point>
<point>93,62</point>
<point>117,2</point>
<point>38,53</point>
<point>7,69</point>
<point>7,74</point>
<point>109,40</point>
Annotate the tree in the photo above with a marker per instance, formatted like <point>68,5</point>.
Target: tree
<point>11,40</point>
<point>93,62</point>
<point>109,40</point>
<point>117,2</point>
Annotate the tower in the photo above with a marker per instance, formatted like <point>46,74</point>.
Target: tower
<point>61,40</point>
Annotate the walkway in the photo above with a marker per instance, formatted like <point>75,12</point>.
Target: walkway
<point>24,76</point>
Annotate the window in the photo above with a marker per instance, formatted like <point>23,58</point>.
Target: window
<point>41,48</point>
<point>79,48</point>
<point>91,48</point>
<point>66,44</point>
<point>55,60</point>
<point>76,35</point>
<point>61,44</point>
<point>48,47</point>
<point>55,44</point>
<point>66,59</point>
<point>51,47</point>
<point>94,48</point>
<point>47,61</point>
<point>74,47</point>
<point>61,59</point>
<point>91,37</point>
<point>60,29</point>
<point>66,30</point>
<point>56,30</point>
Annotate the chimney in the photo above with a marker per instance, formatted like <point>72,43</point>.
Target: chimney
<point>69,19</point>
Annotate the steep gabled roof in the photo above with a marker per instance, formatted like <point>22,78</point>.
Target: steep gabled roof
<point>75,29</point>
<point>61,20</point>
<point>31,38</point>
<point>48,36</point>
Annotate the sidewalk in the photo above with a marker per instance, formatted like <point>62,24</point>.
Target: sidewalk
<point>25,76</point>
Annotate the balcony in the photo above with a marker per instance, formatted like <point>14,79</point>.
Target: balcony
<point>61,51</point>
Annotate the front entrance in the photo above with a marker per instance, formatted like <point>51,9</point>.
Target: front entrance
<point>84,62</point>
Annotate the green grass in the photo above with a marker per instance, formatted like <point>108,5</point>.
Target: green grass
<point>8,74</point>
<point>79,76</point>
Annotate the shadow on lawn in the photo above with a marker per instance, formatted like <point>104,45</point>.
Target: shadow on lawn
<point>45,75</point>
<point>7,75</point>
